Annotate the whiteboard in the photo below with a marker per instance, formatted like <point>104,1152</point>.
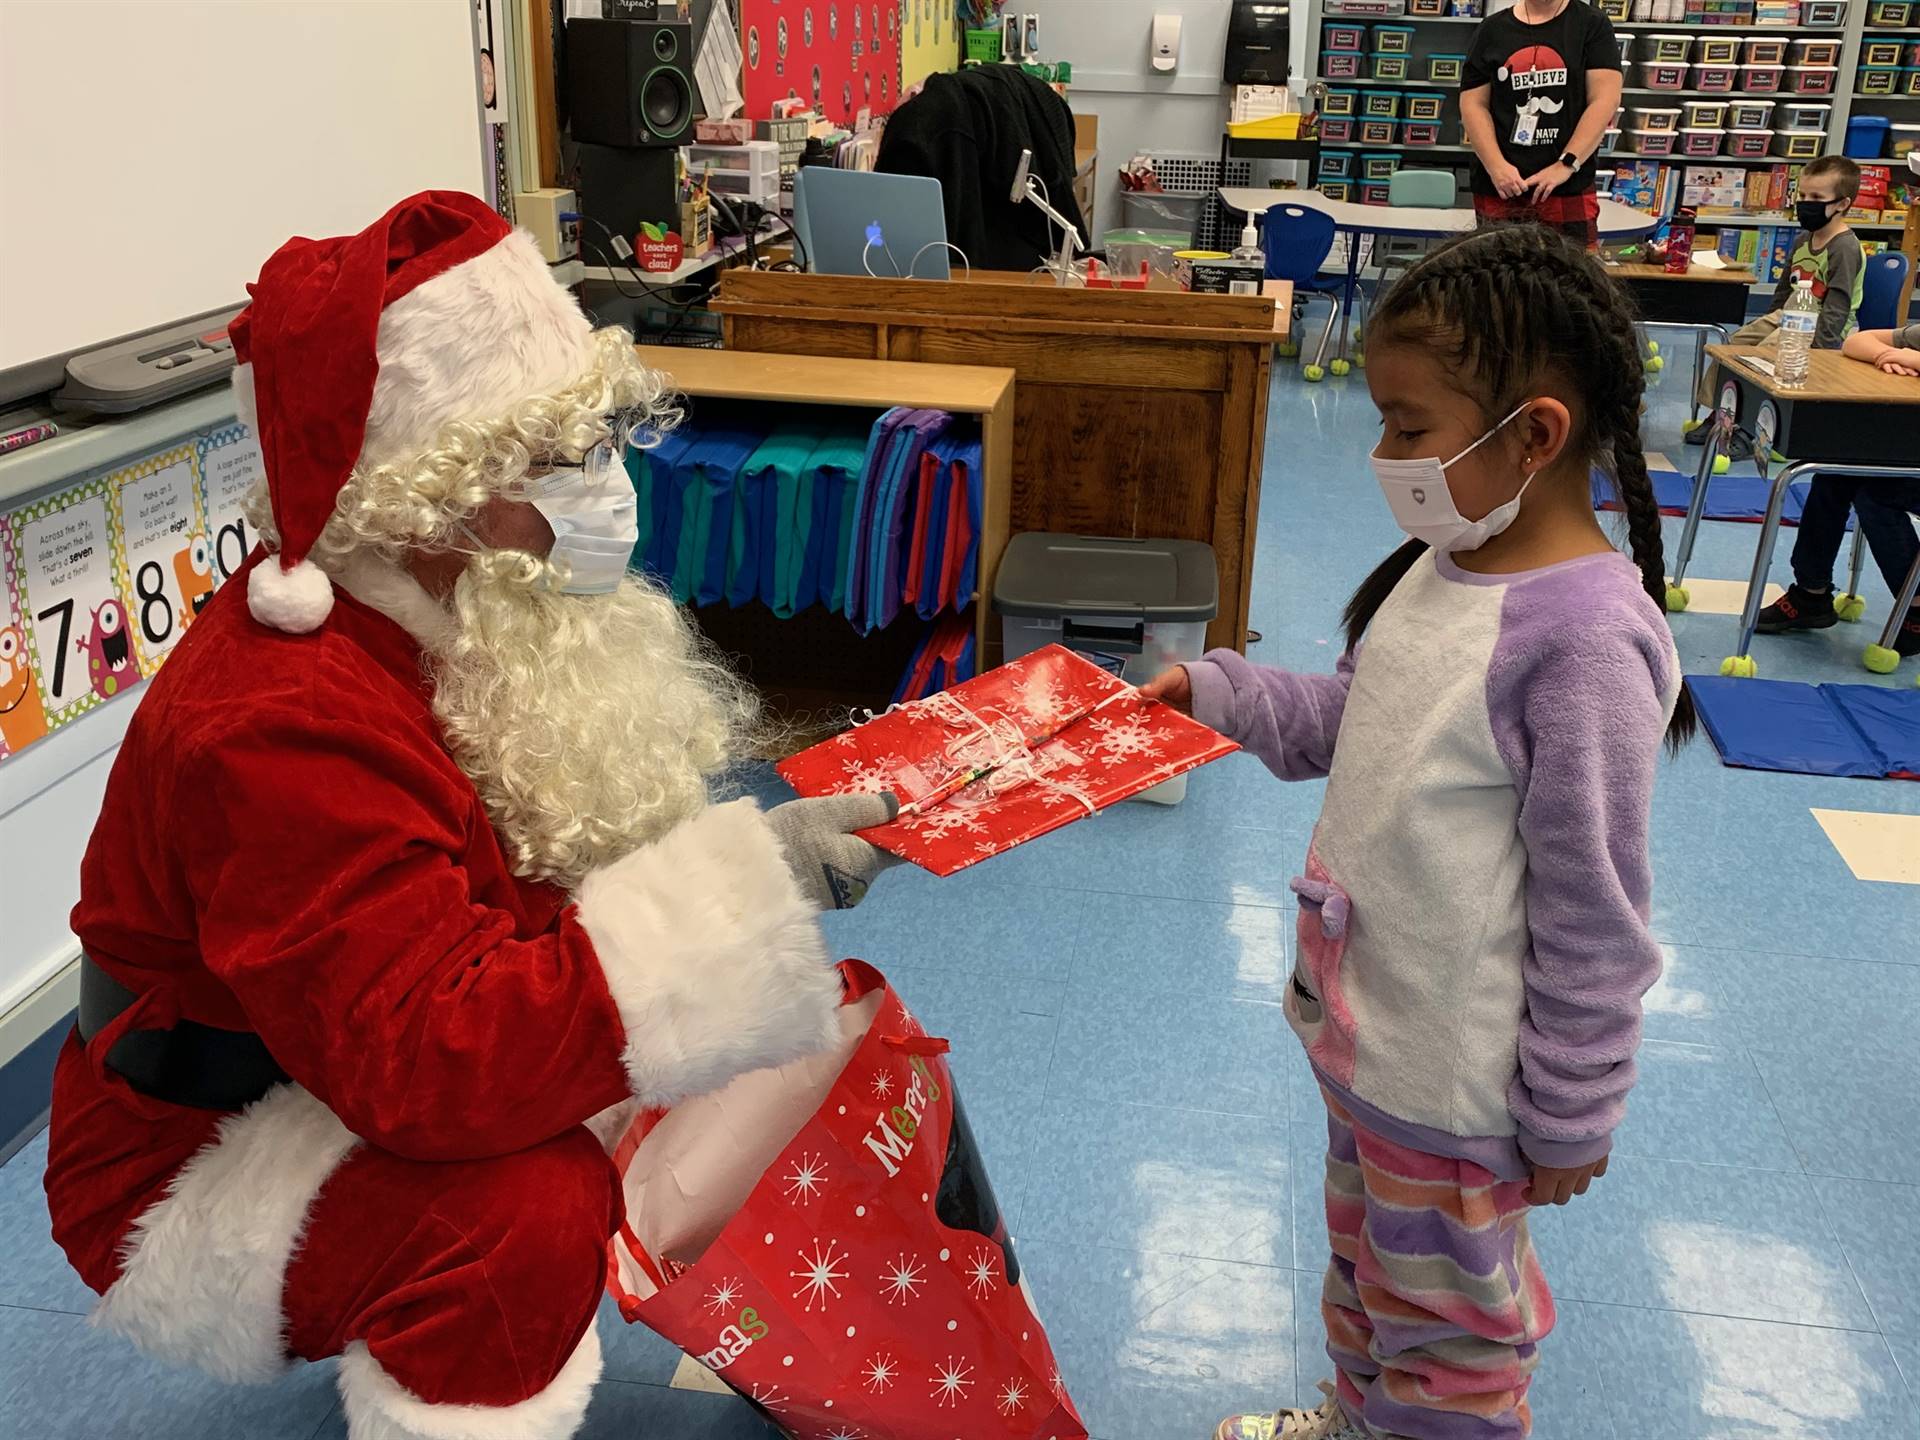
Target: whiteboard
<point>154,152</point>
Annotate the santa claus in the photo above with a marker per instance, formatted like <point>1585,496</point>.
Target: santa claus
<point>408,867</point>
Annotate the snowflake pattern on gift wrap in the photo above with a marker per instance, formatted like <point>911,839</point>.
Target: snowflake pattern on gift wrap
<point>880,776</point>
<point>1123,741</point>
<point>847,1432</point>
<point>817,1279</point>
<point>1043,698</point>
<point>807,1177</point>
<point>725,1295</point>
<point>880,1374</point>
<point>902,1283</point>
<point>1059,1385</point>
<point>950,1382</point>
<point>1013,1397</point>
<point>769,1398</point>
<point>981,1274</point>
<point>882,1085</point>
<point>944,822</point>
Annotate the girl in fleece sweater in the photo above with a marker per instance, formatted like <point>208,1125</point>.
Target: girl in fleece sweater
<point>1473,941</point>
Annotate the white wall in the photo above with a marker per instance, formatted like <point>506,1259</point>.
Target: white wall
<point>1107,42</point>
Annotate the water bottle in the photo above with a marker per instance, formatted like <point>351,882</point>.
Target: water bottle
<point>1249,260</point>
<point>1797,323</point>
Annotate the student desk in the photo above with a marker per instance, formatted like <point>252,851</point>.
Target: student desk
<point>1849,419</point>
<point>1617,222</point>
<point>1696,296</point>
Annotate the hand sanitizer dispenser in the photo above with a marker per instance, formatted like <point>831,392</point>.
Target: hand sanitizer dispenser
<point>1166,44</point>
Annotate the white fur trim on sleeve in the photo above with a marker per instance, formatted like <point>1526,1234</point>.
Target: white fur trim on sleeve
<point>206,1263</point>
<point>716,964</point>
<point>297,601</point>
<point>380,1409</point>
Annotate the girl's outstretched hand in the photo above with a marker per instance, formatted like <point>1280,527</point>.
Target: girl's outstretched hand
<point>1172,688</point>
<point>1557,1187</point>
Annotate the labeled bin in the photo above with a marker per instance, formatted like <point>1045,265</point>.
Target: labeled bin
<point>1336,132</point>
<point>1702,143</point>
<point>1706,114</point>
<point>1671,49</point>
<point>1380,104</point>
<point>1664,75</point>
<point>1376,192</point>
<point>1881,79</point>
<point>1716,79</point>
<point>1749,144</point>
<point>1376,132</point>
<point>1719,50</point>
<point>1341,35</point>
<point>1393,39</point>
<point>1339,102</point>
<point>1336,165</point>
<point>1136,608</point>
<point>1378,167</point>
<point>1812,79</point>
<point>1750,114</point>
<point>1654,142</point>
<point>1341,64</point>
<point>1816,52</point>
<point>1389,67</point>
<point>1425,107</point>
<point>1653,117</point>
<point>1765,50</point>
<point>1762,79</point>
<point>1337,189</point>
<point>1421,132</point>
<point>1799,144</point>
<point>1446,69</point>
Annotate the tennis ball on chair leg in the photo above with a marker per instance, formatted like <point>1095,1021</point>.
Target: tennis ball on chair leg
<point>1850,607</point>
<point>1721,464</point>
<point>1739,667</point>
<point>1314,373</point>
<point>1677,599</point>
<point>1343,367</point>
<point>1880,660</point>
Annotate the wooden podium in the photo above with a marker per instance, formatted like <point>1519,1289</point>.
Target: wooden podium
<point>1139,414</point>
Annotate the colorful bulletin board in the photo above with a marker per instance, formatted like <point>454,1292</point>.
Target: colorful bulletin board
<point>103,578</point>
<point>930,40</point>
<point>842,56</point>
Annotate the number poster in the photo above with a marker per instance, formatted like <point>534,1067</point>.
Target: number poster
<point>102,579</point>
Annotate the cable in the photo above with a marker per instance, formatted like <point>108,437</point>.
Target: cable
<point>610,253</point>
<point>914,265</point>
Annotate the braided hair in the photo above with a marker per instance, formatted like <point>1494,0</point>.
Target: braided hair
<point>1502,308</point>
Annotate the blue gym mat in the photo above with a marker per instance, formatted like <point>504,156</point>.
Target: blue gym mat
<point>1729,497</point>
<point>1862,731</point>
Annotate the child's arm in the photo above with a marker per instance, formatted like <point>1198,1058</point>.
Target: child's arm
<point>1836,310</point>
<point>1882,348</point>
<point>1582,734</point>
<point>1287,721</point>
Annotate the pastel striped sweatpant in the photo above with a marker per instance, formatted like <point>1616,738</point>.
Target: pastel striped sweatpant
<point>1434,1303</point>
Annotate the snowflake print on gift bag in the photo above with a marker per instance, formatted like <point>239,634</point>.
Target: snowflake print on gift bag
<point>842,1263</point>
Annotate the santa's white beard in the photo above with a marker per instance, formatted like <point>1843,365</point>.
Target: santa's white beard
<point>590,724</point>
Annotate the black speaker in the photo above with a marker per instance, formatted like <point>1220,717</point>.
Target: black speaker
<point>630,82</point>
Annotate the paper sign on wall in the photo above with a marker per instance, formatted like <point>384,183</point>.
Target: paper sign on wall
<point>166,568</point>
<point>66,590</point>
<point>229,469</point>
<point>23,714</point>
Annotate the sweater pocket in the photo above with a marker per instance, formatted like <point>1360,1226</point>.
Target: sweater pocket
<point>1316,1000</point>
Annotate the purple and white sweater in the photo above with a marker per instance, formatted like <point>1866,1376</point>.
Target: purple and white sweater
<point>1474,939</point>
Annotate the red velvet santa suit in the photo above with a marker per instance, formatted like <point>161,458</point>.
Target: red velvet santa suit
<point>287,847</point>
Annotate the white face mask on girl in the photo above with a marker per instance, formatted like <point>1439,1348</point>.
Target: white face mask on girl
<point>1422,505</point>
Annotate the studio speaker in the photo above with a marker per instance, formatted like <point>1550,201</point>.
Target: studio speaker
<point>630,82</point>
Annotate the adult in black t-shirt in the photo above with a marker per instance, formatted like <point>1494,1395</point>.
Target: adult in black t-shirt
<point>1542,85</point>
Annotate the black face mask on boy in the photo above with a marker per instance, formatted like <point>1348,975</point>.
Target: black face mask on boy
<point>1812,214</point>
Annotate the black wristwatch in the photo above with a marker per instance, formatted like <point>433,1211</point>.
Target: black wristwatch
<point>1570,160</point>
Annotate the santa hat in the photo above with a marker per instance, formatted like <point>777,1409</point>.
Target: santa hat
<point>362,348</point>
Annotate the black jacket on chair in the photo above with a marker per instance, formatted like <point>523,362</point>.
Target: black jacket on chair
<point>967,130</point>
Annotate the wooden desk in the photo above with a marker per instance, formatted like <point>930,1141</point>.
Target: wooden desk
<point>1849,418</point>
<point>1140,414</point>
<point>1698,296</point>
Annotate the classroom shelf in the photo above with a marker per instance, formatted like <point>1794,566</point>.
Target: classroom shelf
<point>1862,95</point>
<point>1392,85</point>
<point>1410,149</point>
<point>1680,27</point>
<point>1782,96</point>
<point>1754,222</point>
<point>1682,161</point>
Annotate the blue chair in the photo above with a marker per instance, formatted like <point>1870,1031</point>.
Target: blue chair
<point>1880,292</point>
<point>1298,239</point>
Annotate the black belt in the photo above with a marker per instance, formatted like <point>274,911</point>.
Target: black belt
<point>187,1064</point>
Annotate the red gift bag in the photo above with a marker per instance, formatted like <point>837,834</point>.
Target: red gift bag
<point>824,1238</point>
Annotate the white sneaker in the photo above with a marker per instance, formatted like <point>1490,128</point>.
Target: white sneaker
<point>1327,1421</point>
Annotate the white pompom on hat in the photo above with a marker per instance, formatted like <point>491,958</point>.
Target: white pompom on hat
<point>362,348</point>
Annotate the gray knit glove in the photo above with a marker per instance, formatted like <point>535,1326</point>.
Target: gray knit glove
<point>834,866</point>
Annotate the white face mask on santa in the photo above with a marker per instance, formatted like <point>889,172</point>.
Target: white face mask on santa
<point>594,514</point>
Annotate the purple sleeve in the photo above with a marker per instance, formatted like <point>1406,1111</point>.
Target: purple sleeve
<point>1289,721</point>
<point>1581,727</point>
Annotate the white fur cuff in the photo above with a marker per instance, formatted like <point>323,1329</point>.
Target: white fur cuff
<point>380,1409</point>
<point>206,1263</point>
<point>716,964</point>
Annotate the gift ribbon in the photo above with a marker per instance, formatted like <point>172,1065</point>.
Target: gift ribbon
<point>1012,762</point>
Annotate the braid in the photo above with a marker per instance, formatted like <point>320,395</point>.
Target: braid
<point>1504,306</point>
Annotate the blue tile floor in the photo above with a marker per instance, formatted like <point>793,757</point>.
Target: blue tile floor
<point>1750,1270</point>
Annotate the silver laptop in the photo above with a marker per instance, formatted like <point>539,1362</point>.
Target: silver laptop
<point>860,222</point>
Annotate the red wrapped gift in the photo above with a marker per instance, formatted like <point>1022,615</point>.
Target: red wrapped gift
<point>824,1238</point>
<point>1037,744</point>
